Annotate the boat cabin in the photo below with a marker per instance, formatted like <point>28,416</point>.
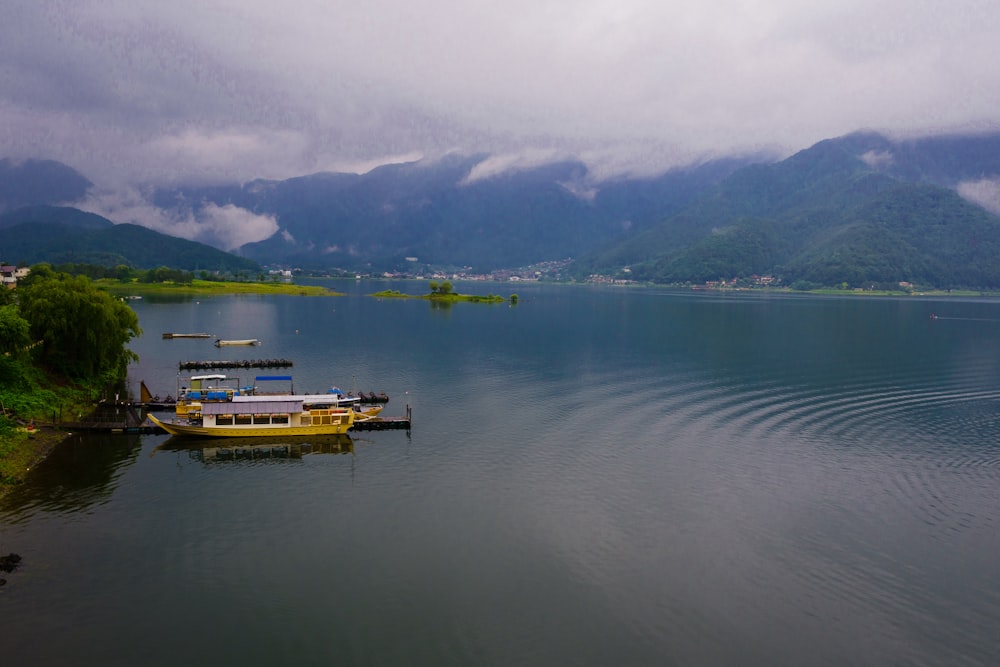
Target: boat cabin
<point>275,411</point>
<point>195,391</point>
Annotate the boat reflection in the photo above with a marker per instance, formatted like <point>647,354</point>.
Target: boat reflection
<point>246,449</point>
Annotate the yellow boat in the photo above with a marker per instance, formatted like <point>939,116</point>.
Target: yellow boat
<point>364,414</point>
<point>268,415</point>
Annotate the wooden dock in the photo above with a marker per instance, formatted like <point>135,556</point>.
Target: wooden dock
<point>397,423</point>
<point>111,417</point>
<point>208,364</point>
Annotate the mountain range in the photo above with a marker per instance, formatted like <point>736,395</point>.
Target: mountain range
<point>860,209</point>
<point>62,234</point>
<point>440,214</point>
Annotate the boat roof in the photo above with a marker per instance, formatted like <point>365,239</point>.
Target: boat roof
<point>303,398</point>
<point>209,377</point>
<point>281,406</point>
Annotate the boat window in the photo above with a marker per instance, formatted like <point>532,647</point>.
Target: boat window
<point>262,419</point>
<point>224,420</point>
<point>244,420</point>
<point>279,419</point>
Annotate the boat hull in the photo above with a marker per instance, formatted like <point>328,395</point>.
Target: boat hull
<point>367,413</point>
<point>174,428</point>
<point>227,343</point>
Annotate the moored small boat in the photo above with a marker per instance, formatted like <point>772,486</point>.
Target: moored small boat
<point>364,414</point>
<point>220,342</point>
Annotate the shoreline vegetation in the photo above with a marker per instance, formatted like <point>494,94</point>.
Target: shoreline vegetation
<point>209,287</point>
<point>29,433</point>
<point>33,406</point>
<point>24,450</point>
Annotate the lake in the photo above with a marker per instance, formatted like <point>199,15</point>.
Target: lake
<point>594,476</point>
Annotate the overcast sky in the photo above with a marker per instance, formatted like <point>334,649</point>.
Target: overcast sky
<point>131,91</point>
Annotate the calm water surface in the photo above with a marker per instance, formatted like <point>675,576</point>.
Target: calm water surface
<point>594,477</point>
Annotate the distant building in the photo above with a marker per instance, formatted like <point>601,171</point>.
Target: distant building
<point>11,274</point>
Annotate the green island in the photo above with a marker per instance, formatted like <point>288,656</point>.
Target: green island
<point>441,293</point>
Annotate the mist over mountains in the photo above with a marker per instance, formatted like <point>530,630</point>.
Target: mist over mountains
<point>858,209</point>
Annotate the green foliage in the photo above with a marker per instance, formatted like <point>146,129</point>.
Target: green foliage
<point>164,274</point>
<point>7,429</point>
<point>83,330</point>
<point>121,272</point>
<point>748,248</point>
<point>26,392</point>
<point>441,289</point>
<point>15,332</point>
<point>12,375</point>
<point>474,298</point>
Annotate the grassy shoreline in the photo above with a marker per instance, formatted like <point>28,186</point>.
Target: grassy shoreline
<point>44,403</point>
<point>209,287</point>
<point>22,451</point>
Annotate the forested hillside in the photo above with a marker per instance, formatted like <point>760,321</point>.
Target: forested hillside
<point>60,235</point>
<point>443,215</point>
<point>825,216</point>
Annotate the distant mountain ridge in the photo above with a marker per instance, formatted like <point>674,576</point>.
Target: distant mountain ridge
<point>60,235</point>
<point>859,209</point>
<point>31,182</point>
<point>436,213</point>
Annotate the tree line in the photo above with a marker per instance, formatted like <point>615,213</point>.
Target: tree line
<point>65,326</point>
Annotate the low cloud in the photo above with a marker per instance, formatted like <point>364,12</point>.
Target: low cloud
<point>498,165</point>
<point>985,192</point>
<point>190,92</point>
<point>877,159</point>
<point>235,226</point>
<point>226,227</point>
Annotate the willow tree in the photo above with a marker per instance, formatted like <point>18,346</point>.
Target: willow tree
<point>15,332</point>
<point>82,330</point>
